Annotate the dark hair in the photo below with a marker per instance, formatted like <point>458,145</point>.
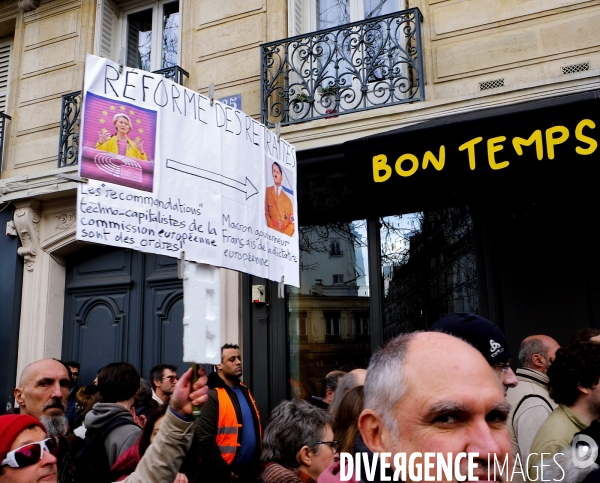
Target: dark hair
<point>345,424</point>
<point>575,365</point>
<point>331,380</point>
<point>275,163</point>
<point>143,402</point>
<point>157,372</point>
<point>149,427</point>
<point>584,335</point>
<point>74,364</point>
<point>118,381</point>
<point>229,346</point>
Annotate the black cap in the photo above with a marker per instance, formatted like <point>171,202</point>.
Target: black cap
<point>478,331</point>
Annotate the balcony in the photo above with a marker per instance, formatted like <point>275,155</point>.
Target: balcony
<point>70,116</point>
<point>376,62</point>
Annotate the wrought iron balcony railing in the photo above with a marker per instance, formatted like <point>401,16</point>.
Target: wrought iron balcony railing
<point>68,145</point>
<point>3,118</point>
<point>373,63</point>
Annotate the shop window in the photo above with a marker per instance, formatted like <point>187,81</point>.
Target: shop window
<point>331,344</point>
<point>142,35</point>
<point>428,268</point>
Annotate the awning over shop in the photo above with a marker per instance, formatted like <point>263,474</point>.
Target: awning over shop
<point>484,153</point>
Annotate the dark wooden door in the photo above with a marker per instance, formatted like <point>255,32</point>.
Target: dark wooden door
<point>122,305</point>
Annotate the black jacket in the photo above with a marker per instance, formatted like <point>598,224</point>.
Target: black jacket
<point>213,467</point>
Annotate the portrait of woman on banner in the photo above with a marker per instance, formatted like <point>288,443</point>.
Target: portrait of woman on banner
<point>120,143</point>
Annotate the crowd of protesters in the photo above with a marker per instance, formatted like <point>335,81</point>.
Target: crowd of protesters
<point>450,389</point>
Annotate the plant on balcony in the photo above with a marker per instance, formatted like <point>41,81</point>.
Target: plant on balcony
<point>329,90</point>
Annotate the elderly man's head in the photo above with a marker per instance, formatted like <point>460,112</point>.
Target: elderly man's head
<point>432,392</point>
<point>26,453</point>
<point>299,435</point>
<point>537,352</point>
<point>43,392</point>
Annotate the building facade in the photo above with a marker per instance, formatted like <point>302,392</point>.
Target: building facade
<point>348,81</point>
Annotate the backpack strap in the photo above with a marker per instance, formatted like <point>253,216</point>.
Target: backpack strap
<point>523,399</point>
<point>92,460</point>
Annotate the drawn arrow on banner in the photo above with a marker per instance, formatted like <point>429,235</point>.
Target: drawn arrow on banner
<point>244,186</point>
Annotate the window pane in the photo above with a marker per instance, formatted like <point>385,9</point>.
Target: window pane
<point>328,316</point>
<point>139,39</point>
<point>170,35</point>
<point>373,8</point>
<point>331,13</point>
<point>428,268</point>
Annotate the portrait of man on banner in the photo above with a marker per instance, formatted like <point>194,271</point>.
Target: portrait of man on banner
<point>279,205</point>
<point>118,143</point>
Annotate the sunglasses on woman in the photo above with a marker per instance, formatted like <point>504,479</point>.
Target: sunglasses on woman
<point>30,454</point>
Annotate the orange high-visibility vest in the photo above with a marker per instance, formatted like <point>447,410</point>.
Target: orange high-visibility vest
<point>228,426</point>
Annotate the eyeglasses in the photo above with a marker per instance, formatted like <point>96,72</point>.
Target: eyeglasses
<point>171,378</point>
<point>30,454</point>
<point>505,366</point>
<point>334,445</point>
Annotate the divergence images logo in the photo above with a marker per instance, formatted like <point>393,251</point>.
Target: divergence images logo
<point>584,451</point>
<point>495,348</point>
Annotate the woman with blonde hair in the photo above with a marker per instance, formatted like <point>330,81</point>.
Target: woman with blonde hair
<point>120,142</point>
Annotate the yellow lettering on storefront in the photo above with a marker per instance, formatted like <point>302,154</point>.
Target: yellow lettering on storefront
<point>470,147</point>
<point>379,165</point>
<point>536,138</point>
<point>415,165</point>
<point>493,146</point>
<point>439,162</point>
<point>551,141</point>
<point>592,143</point>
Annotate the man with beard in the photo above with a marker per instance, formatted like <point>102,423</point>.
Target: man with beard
<point>42,392</point>
<point>430,392</point>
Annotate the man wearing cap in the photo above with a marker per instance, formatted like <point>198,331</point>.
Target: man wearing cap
<point>486,337</point>
<point>530,400</point>
<point>27,455</point>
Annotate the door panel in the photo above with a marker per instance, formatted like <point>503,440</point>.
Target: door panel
<point>122,305</point>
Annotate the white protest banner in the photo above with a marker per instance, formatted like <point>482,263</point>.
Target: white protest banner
<point>168,173</point>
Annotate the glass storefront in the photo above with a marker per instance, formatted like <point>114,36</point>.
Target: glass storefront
<point>428,269</point>
<point>328,316</point>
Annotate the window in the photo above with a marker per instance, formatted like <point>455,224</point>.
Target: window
<point>335,250</point>
<point>141,35</point>
<point>338,279</point>
<point>332,323</point>
<point>5,50</point>
<point>310,15</point>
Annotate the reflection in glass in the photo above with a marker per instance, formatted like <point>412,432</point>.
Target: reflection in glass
<point>429,268</point>
<point>374,8</point>
<point>139,39</point>
<point>328,316</point>
<point>331,13</point>
<point>170,35</point>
